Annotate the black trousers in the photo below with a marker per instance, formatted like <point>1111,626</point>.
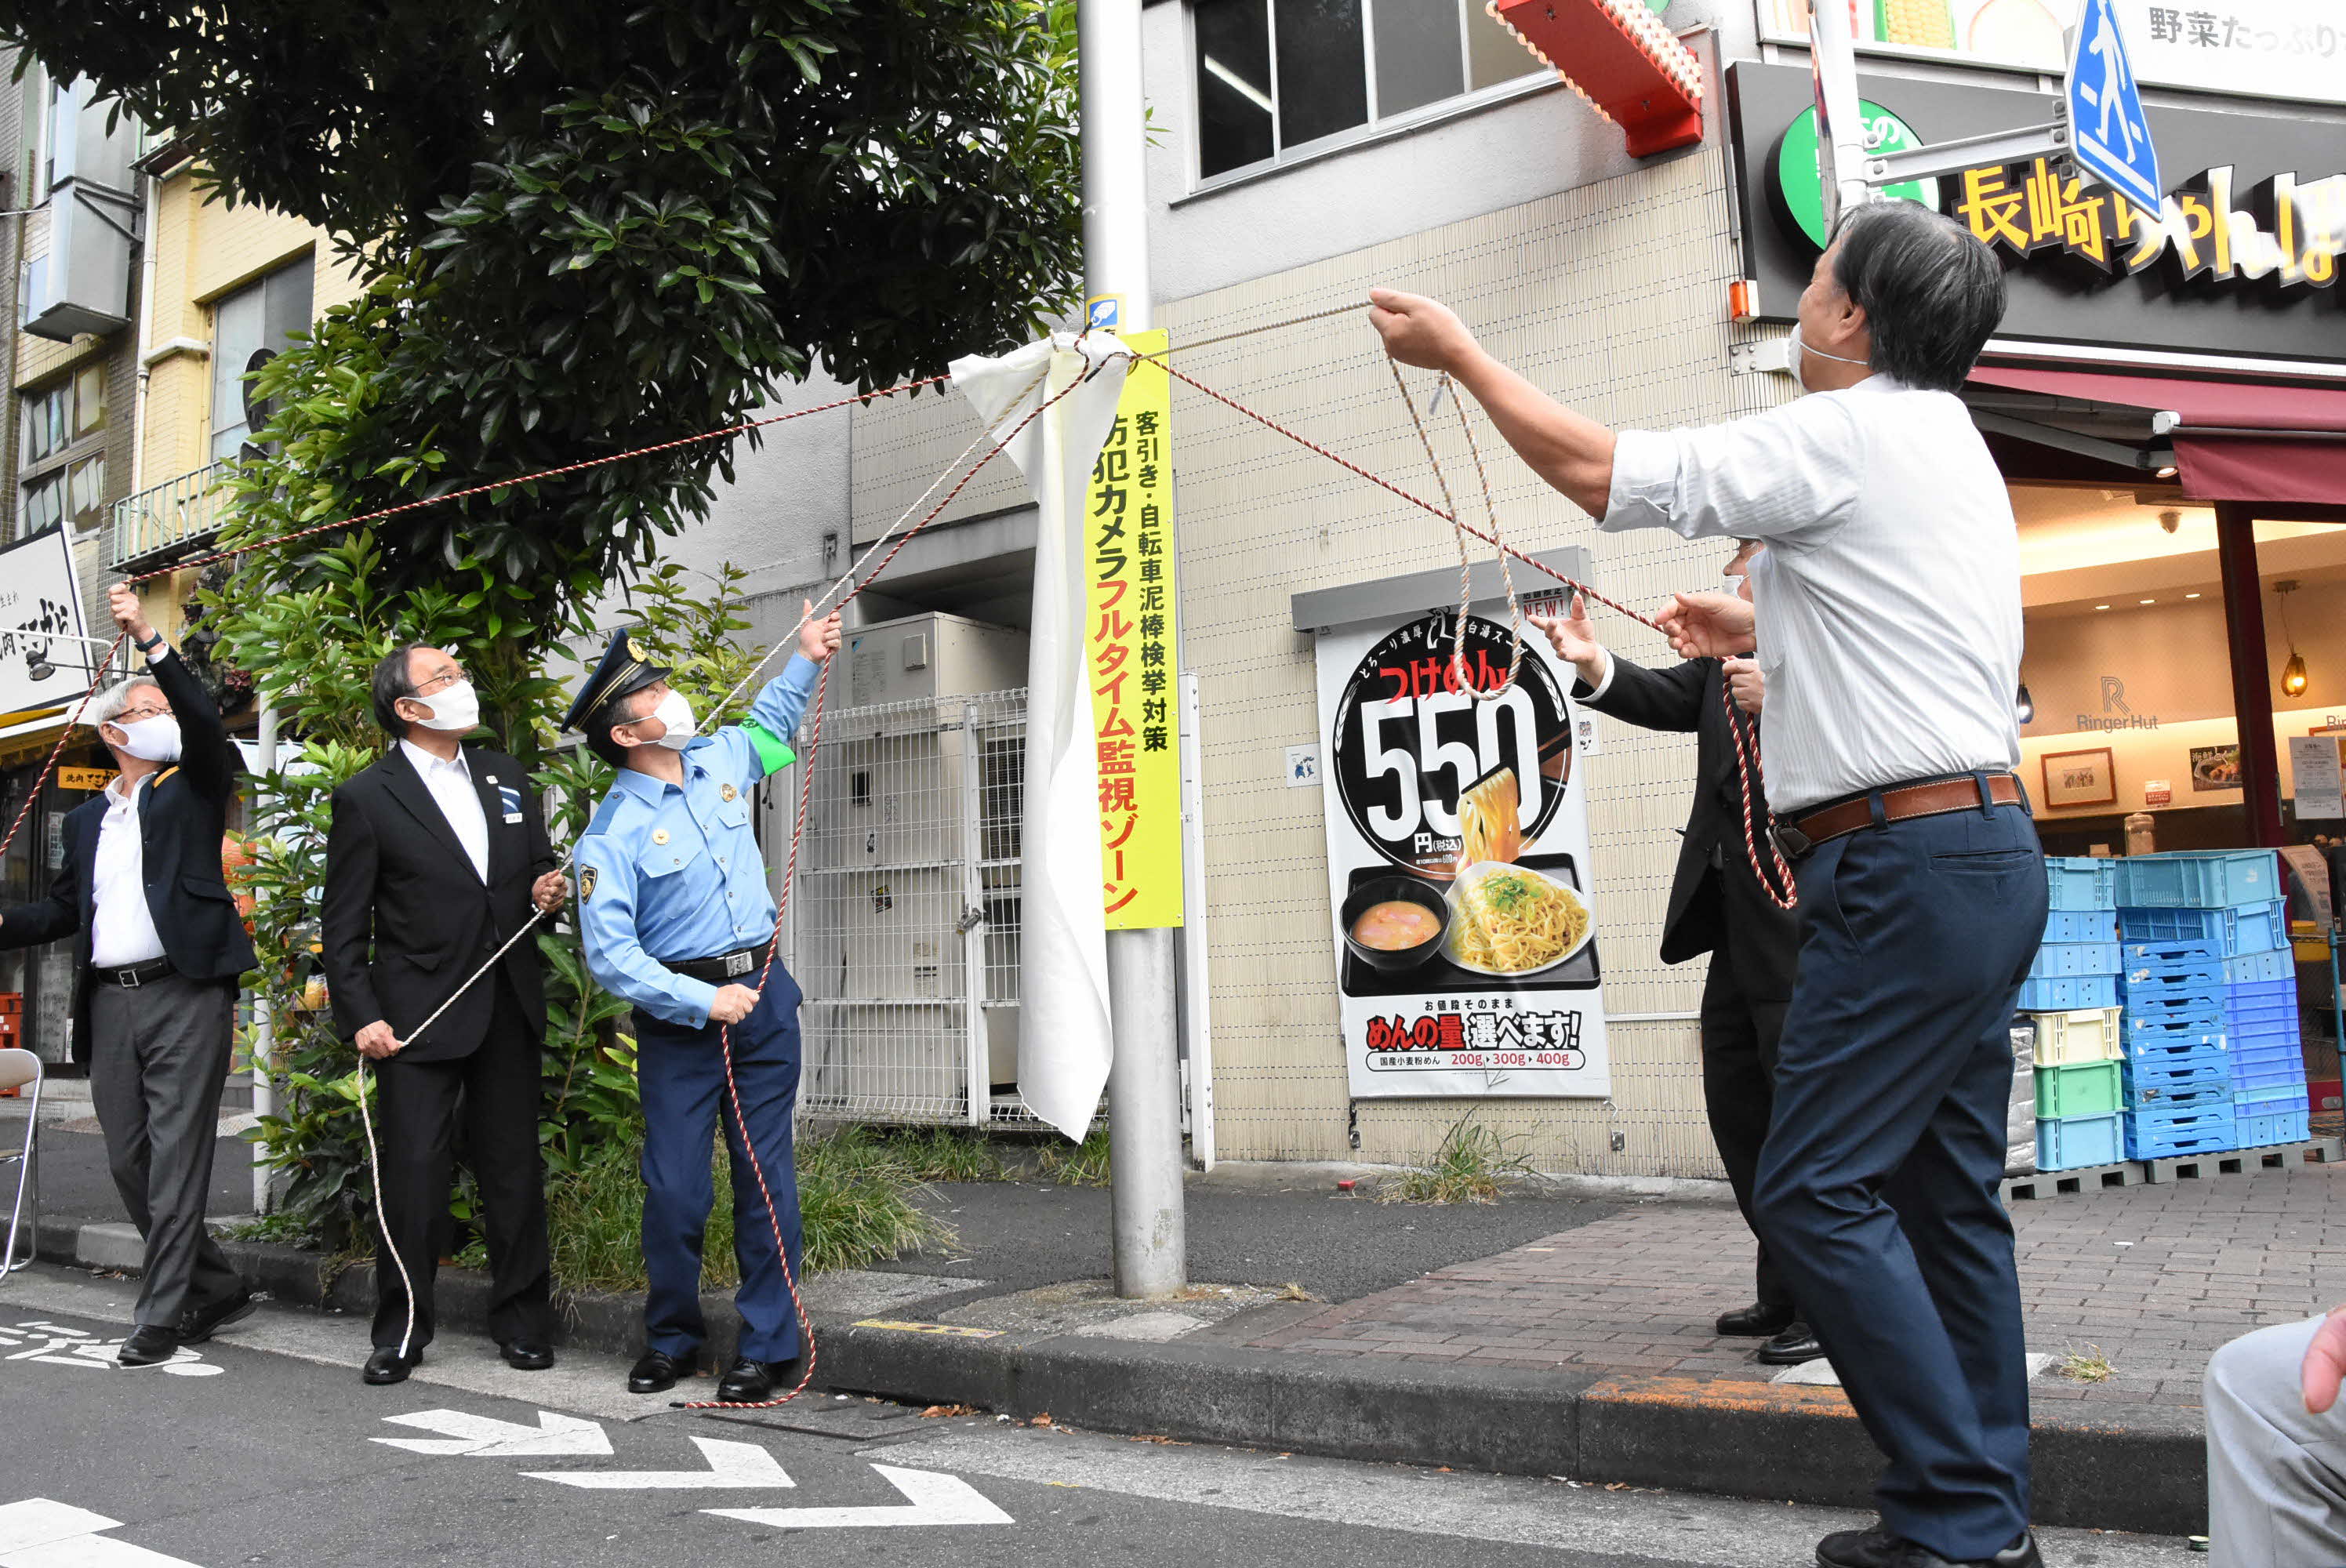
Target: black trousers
<point>1743,1001</point>
<point>495,1095</point>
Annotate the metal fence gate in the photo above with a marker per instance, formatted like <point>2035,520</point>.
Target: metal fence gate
<point>905,915</point>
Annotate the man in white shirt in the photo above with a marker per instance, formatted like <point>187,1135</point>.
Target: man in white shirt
<point>1888,633</point>
<point>436,855</point>
<point>161,946</point>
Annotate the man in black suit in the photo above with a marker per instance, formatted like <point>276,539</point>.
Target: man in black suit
<point>1717,906</point>
<point>159,946</point>
<point>435,856</point>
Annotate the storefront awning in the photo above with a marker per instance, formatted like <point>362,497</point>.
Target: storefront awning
<point>2232,441</point>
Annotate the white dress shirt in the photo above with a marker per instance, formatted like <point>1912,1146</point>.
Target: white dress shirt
<point>1888,598</point>
<point>122,928</point>
<point>451,784</point>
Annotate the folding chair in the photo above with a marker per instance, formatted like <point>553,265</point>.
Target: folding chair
<point>18,1068</point>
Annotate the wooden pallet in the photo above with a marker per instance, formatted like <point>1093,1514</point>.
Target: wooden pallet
<point>2180,1167</point>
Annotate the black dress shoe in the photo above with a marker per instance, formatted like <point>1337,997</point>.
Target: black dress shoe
<point>149,1344</point>
<point>1757,1322</point>
<point>656,1373</point>
<point>750,1382</point>
<point>1874,1548</point>
<point>1796,1344</point>
<point>526,1355</point>
<point>387,1365</point>
<point>198,1324</point>
<point>2021,1554</point>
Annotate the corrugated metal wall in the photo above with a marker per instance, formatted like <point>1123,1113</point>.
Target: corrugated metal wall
<point>1612,296</point>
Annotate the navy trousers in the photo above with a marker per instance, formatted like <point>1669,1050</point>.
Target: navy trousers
<point>681,1072</point>
<point>1877,1187</point>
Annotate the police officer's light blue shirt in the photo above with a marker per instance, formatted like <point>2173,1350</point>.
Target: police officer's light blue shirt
<point>668,875</point>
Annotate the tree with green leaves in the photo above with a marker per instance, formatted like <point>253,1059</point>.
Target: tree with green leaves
<point>582,230</point>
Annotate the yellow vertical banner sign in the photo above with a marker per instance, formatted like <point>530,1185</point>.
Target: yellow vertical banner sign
<point>1131,650</point>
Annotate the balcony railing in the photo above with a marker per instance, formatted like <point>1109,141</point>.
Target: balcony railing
<point>159,522</point>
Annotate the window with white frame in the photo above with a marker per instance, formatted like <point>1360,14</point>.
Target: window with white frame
<point>1278,77</point>
<point>248,326</point>
<point>63,461</point>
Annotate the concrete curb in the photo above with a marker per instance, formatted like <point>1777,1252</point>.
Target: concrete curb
<point>2132,1468</point>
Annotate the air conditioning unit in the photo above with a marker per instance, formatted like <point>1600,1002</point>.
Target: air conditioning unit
<point>83,284</point>
<point>908,872</point>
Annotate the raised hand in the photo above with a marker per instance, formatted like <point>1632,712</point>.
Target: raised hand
<point>1573,637</point>
<point>550,891</point>
<point>122,602</point>
<point>819,640</point>
<point>1419,332</point>
<point>1707,624</point>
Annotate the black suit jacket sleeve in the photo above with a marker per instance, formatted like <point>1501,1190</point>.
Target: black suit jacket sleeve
<point>346,919</point>
<point>1668,699</point>
<point>57,915</point>
<point>541,858</point>
<point>208,760</point>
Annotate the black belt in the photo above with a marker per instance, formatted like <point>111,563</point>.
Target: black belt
<point>726,968</point>
<point>132,975</point>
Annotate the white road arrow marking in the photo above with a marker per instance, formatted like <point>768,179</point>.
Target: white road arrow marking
<point>729,1464</point>
<point>40,1534</point>
<point>484,1438</point>
<point>930,1499</point>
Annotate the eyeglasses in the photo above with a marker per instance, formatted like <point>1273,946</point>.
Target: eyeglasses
<point>128,716</point>
<point>443,678</point>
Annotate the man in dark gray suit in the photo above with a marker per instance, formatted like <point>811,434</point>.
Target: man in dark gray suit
<point>1717,906</point>
<point>160,945</point>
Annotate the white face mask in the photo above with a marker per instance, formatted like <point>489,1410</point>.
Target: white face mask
<point>154,738</point>
<point>456,708</point>
<point>676,714</point>
<point>1796,350</point>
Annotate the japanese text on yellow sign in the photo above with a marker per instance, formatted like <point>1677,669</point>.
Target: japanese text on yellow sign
<point>1129,649</point>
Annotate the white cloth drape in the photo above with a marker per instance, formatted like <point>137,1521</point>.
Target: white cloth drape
<point>1064,1042</point>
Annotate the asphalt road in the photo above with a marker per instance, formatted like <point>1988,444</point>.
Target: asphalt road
<point>262,1447</point>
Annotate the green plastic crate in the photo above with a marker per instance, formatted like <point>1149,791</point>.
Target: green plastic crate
<point>2081,1089</point>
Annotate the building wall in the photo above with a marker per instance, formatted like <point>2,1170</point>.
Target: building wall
<point>1611,297</point>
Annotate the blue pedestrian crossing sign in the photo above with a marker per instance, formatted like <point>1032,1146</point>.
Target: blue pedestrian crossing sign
<point>2109,133</point>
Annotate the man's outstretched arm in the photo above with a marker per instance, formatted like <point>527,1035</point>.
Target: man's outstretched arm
<point>1572,453</point>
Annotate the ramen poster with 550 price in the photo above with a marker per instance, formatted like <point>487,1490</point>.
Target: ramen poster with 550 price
<point>1458,882</point>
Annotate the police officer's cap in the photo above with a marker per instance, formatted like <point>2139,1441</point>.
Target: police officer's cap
<point>623,673</point>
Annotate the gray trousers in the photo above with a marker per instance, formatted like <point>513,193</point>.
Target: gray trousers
<point>158,1057</point>
<point>2276,1475</point>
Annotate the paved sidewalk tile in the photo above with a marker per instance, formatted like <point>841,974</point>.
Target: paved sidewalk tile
<point>2150,1278</point>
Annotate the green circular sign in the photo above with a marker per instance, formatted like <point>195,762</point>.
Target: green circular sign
<point>1796,166</point>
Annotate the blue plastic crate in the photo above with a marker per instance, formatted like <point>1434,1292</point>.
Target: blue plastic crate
<point>2260,968</point>
<point>2163,1135</point>
<point>2149,1035</point>
<point>2266,1007</point>
<point>2081,882</point>
<point>2066,1145</point>
<point>2276,1099</point>
<point>2069,993</point>
<point>2198,879</point>
<point>2168,969</point>
<point>2261,1131</point>
<point>2207,1093</point>
<point>2268,1064</point>
<point>2055,960</point>
<point>2194,996</point>
<point>2255,928</point>
<point>2082,925</point>
<point>2178,1070</point>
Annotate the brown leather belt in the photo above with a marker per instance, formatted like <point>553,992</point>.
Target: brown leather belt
<point>1934,800</point>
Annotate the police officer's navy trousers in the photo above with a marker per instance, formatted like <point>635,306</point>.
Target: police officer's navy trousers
<point>1877,1187</point>
<point>681,1072</point>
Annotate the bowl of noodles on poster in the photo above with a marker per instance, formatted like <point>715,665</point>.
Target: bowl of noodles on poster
<point>1508,920</point>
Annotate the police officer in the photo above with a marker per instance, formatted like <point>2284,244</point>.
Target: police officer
<point>678,921</point>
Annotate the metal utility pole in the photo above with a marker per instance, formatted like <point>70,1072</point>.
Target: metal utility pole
<point>1144,1082</point>
<point>264,1044</point>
